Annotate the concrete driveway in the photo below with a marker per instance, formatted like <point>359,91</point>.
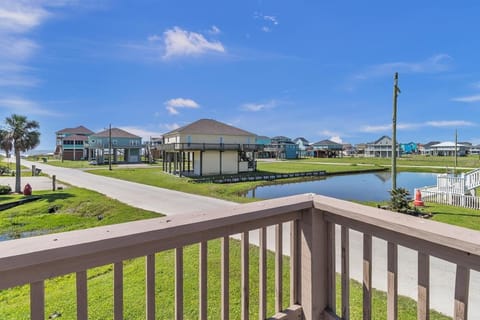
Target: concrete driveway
<point>173,202</point>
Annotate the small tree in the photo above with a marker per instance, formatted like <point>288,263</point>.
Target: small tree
<point>23,135</point>
<point>399,200</point>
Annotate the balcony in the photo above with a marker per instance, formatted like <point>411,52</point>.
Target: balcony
<point>313,224</point>
<point>172,147</point>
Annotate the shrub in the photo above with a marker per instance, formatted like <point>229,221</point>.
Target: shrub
<point>399,200</point>
<point>5,189</point>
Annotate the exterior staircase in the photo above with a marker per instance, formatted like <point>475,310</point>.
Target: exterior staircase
<point>466,183</point>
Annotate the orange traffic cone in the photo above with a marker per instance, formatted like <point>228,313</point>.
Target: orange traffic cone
<point>418,199</point>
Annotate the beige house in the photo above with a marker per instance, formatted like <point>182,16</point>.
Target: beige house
<point>208,147</point>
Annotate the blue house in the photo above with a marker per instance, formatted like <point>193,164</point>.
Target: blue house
<point>408,148</point>
<point>119,144</point>
<point>282,148</point>
<point>304,147</point>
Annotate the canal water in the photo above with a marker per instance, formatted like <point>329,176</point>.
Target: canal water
<point>362,187</point>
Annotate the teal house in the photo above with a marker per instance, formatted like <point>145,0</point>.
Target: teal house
<point>120,145</point>
<point>71,143</point>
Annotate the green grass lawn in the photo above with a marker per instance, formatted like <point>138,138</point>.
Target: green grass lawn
<point>412,160</point>
<point>70,209</point>
<point>302,166</point>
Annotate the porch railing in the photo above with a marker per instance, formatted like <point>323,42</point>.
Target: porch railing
<point>312,220</point>
<point>210,146</point>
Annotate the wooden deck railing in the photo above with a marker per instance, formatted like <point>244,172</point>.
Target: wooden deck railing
<point>312,220</point>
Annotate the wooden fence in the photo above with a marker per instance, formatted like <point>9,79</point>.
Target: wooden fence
<point>313,220</point>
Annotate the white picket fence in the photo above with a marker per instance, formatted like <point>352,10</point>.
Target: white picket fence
<point>431,194</point>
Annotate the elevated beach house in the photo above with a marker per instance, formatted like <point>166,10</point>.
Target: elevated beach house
<point>381,148</point>
<point>327,149</point>
<point>209,147</point>
<point>304,147</point>
<point>71,143</point>
<point>119,144</point>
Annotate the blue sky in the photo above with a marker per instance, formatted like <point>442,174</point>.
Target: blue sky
<point>317,69</point>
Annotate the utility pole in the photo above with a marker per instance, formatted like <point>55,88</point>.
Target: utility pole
<point>456,154</point>
<point>110,148</point>
<point>396,91</point>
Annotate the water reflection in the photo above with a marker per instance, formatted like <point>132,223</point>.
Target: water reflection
<point>362,186</point>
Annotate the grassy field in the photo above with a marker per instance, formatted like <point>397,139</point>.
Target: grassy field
<point>415,160</point>
<point>64,210</point>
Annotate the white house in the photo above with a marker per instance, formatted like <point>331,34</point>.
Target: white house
<point>381,148</point>
<point>208,147</point>
<point>447,148</point>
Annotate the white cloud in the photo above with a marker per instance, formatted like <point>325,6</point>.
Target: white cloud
<point>17,19</point>
<point>255,107</point>
<point>433,64</point>
<point>449,123</point>
<point>407,126</point>
<point>170,126</point>
<point>472,98</point>
<point>336,139</point>
<point>145,134</point>
<point>21,105</point>
<point>173,104</point>
<point>179,42</point>
<point>271,21</point>
<point>214,30</point>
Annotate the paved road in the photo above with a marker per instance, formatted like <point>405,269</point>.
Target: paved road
<point>173,202</point>
<point>142,196</point>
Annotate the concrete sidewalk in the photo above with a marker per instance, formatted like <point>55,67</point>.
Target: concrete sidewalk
<point>37,183</point>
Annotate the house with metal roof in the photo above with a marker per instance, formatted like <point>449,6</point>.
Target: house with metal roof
<point>327,149</point>
<point>209,147</point>
<point>71,143</point>
<point>120,145</point>
<point>448,148</point>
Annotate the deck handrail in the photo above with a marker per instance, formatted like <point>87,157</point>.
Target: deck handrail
<point>313,221</point>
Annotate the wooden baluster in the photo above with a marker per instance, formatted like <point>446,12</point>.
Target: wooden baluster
<point>293,262</point>
<point>462,279</point>
<point>262,274</point>
<point>392,290</point>
<point>367,276</point>
<point>331,268</point>
<point>150,286</point>
<point>37,300</point>
<point>203,280</point>
<point>179,283</point>
<point>423,304</point>
<point>345,274</point>
<point>225,278</point>
<point>118,290</point>
<point>278,267</point>
<point>82,301</point>
<point>245,275</point>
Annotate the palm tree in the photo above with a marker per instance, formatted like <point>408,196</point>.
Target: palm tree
<point>23,135</point>
<point>5,142</point>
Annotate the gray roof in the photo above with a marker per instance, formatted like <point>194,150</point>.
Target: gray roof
<point>326,143</point>
<point>305,141</point>
<point>210,127</point>
<point>77,130</point>
<point>116,133</point>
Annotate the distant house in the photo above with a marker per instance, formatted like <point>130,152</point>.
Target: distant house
<point>327,149</point>
<point>304,147</point>
<point>408,148</point>
<point>360,149</point>
<point>281,147</point>
<point>448,149</point>
<point>381,148</point>
<point>209,147</point>
<point>425,148</point>
<point>348,149</point>
<point>71,143</point>
<point>475,149</point>
<point>125,147</point>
